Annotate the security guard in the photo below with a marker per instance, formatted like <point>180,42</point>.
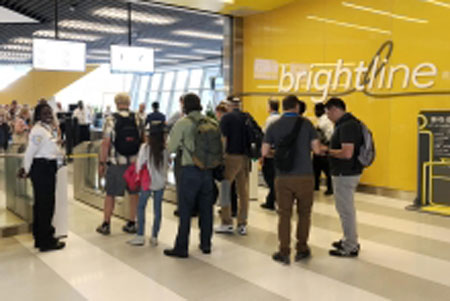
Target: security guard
<point>40,164</point>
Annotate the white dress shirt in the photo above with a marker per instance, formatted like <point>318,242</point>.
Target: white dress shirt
<point>274,116</point>
<point>82,115</point>
<point>325,124</point>
<point>42,143</point>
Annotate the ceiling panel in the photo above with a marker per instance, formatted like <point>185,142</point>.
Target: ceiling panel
<point>177,34</point>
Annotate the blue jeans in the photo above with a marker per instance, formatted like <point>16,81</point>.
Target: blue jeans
<point>157,200</point>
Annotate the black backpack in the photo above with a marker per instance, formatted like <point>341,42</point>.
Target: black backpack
<point>127,140</point>
<point>253,137</point>
<point>285,150</point>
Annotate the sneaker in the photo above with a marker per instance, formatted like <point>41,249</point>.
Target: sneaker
<point>130,228</point>
<point>104,229</point>
<point>139,240</point>
<point>329,192</point>
<point>284,259</point>
<point>343,253</point>
<point>175,253</point>
<point>338,245</point>
<point>153,241</point>
<point>302,255</point>
<point>224,229</point>
<point>268,207</point>
<point>242,230</point>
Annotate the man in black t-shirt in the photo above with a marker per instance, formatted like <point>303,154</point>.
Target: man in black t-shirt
<point>346,171</point>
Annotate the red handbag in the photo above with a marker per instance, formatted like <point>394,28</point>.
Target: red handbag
<point>132,178</point>
<point>145,178</point>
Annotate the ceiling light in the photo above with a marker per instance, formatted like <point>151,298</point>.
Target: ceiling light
<point>96,57</point>
<point>165,61</point>
<point>208,51</point>
<point>220,22</point>
<point>99,51</point>
<point>198,34</point>
<point>66,35</point>
<point>21,40</point>
<point>350,25</point>
<point>438,3</point>
<point>16,47</point>
<point>383,13</point>
<point>164,42</point>
<point>185,56</point>
<point>140,17</point>
<point>92,26</point>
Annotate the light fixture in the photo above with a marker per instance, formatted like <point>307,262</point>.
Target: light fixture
<point>164,42</point>
<point>21,40</point>
<point>220,22</point>
<point>198,34</point>
<point>438,3</point>
<point>67,35</point>
<point>98,58</point>
<point>139,17</point>
<point>383,13</point>
<point>99,51</point>
<point>16,47</point>
<point>208,51</point>
<point>166,61</point>
<point>349,25</point>
<point>184,56</point>
<point>92,26</point>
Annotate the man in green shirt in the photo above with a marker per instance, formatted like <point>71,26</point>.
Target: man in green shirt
<point>195,185</point>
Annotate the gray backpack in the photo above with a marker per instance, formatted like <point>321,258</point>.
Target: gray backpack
<point>367,150</point>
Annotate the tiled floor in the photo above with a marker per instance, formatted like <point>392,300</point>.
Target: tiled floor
<point>405,256</point>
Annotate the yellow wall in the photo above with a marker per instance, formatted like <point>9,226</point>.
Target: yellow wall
<point>39,84</point>
<point>287,36</point>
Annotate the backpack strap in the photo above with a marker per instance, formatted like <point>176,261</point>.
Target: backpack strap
<point>292,136</point>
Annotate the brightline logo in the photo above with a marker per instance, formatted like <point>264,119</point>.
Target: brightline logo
<point>362,77</point>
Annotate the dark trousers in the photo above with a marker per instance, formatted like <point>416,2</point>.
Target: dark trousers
<point>268,171</point>
<point>195,190</point>
<point>43,178</point>
<point>320,164</point>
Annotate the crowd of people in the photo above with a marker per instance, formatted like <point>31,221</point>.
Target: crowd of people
<point>207,153</point>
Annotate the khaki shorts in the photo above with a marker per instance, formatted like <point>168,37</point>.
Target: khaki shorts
<point>115,183</point>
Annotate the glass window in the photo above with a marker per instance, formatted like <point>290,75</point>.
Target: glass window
<point>143,89</point>
<point>164,102</point>
<point>168,80</point>
<point>156,80</point>
<point>175,103</point>
<point>182,77</point>
<point>196,78</point>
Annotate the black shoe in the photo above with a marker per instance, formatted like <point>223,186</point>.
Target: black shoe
<point>268,207</point>
<point>343,253</point>
<point>104,229</point>
<point>175,212</point>
<point>58,245</point>
<point>194,214</point>
<point>130,228</point>
<point>338,245</point>
<point>205,250</point>
<point>233,214</point>
<point>284,259</point>
<point>175,253</point>
<point>302,255</point>
<point>329,192</point>
<point>316,188</point>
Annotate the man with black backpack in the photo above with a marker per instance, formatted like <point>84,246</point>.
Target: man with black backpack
<point>199,139</point>
<point>293,138</point>
<point>119,149</point>
<point>346,170</point>
<point>240,133</point>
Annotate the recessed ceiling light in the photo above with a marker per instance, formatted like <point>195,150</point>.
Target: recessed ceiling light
<point>10,54</point>
<point>140,17</point>
<point>198,34</point>
<point>99,51</point>
<point>350,25</point>
<point>67,35</point>
<point>16,47</point>
<point>93,26</point>
<point>166,61</point>
<point>184,56</point>
<point>97,57</point>
<point>383,13</point>
<point>208,51</point>
<point>164,42</point>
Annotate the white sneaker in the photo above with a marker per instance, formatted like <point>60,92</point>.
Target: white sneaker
<point>153,241</point>
<point>242,230</point>
<point>224,229</point>
<point>138,240</point>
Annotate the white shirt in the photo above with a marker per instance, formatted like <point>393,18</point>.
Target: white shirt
<point>42,143</point>
<point>82,115</point>
<point>158,176</point>
<point>274,116</point>
<point>325,124</point>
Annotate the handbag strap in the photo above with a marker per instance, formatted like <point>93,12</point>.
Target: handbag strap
<point>292,136</point>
